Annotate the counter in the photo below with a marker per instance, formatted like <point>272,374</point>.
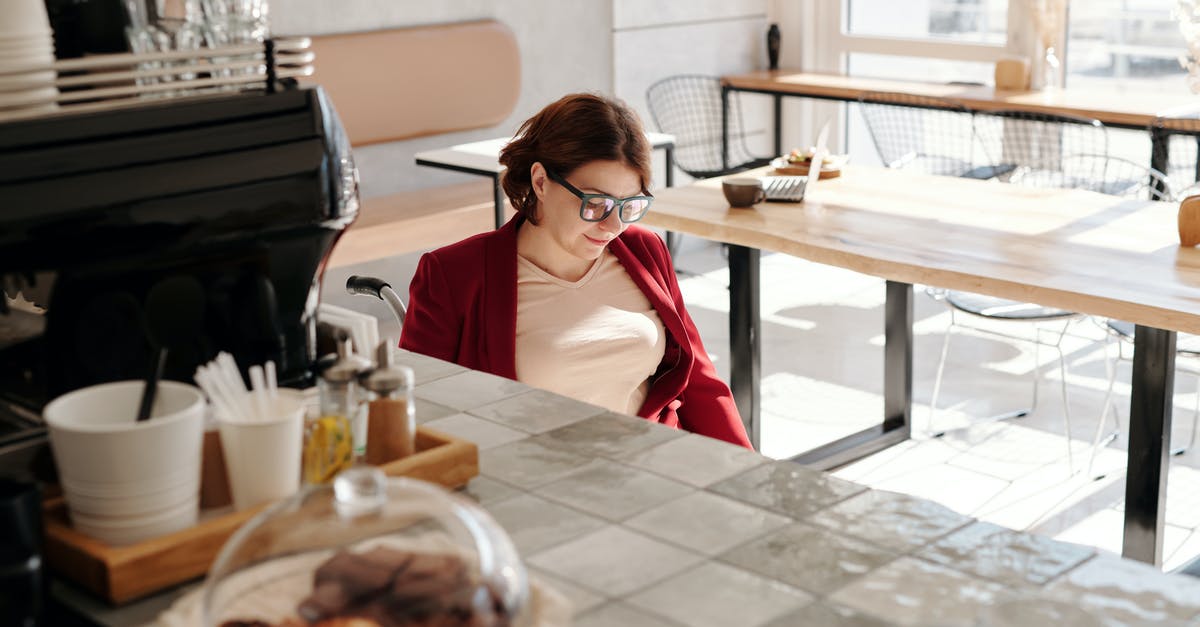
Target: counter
<point>642,525</point>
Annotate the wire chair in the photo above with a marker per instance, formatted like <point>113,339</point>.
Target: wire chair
<point>1035,150</point>
<point>1187,348</point>
<point>688,106</point>
<point>1044,150</point>
<point>930,135</point>
<point>1182,149</point>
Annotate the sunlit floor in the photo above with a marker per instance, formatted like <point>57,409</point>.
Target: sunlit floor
<point>822,378</point>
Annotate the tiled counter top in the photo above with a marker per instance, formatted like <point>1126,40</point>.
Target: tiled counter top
<point>640,524</point>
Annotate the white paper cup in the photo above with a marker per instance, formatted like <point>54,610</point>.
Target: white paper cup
<point>262,458</point>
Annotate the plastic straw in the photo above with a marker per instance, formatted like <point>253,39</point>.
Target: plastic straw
<point>272,381</point>
<point>258,384</point>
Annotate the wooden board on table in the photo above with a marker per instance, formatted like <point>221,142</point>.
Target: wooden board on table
<point>120,574</point>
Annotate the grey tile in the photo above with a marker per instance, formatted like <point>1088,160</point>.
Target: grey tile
<point>828,615</point>
<point>717,595</point>
<point>537,411</point>
<point>1004,555</point>
<point>788,488</point>
<point>707,523</point>
<point>484,433</point>
<point>425,368</point>
<point>534,523</point>
<point>894,521</point>
<point>581,598</point>
<point>910,591</point>
<point>485,490</point>
<point>528,464</point>
<point>809,557</point>
<point>614,561</point>
<point>620,615</point>
<point>695,459</point>
<point>428,411</point>
<point>1127,591</point>
<point>613,490</point>
<point>609,435</point>
<point>468,390</point>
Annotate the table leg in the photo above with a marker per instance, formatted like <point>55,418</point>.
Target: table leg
<point>669,158</point>
<point>1160,154</point>
<point>724,128</point>
<point>499,199</point>
<point>778,123</point>
<point>896,426</point>
<point>1149,456</point>
<point>745,352</point>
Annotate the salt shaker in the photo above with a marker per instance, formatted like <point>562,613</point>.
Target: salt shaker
<point>391,420</point>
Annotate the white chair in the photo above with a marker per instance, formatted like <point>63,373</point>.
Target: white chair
<point>1187,360</point>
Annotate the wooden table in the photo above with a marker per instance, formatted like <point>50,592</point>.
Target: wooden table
<point>1073,249</point>
<point>1132,109</point>
<point>482,158</point>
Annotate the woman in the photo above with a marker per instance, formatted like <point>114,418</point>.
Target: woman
<point>569,296</point>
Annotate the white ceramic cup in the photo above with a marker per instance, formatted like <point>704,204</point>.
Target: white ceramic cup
<point>131,530</point>
<point>143,477</point>
<point>97,440</point>
<point>262,458</point>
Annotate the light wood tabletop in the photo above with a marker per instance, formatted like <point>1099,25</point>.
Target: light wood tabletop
<point>1072,249</point>
<point>1130,109</point>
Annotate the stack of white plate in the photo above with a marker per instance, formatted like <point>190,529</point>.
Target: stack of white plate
<point>26,56</point>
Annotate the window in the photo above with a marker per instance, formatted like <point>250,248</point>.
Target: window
<point>1125,44</point>
<point>979,21</point>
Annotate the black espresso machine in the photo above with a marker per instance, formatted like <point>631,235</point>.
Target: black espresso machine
<point>199,224</point>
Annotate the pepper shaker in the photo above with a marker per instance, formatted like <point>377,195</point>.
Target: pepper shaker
<point>391,419</point>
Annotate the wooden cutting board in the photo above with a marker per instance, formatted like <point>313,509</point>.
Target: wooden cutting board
<point>120,574</point>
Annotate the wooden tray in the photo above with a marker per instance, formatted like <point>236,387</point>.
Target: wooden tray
<point>830,171</point>
<point>120,574</point>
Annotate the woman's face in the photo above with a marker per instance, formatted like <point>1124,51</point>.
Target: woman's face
<point>558,215</point>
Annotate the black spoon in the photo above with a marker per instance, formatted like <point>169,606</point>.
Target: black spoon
<point>174,316</point>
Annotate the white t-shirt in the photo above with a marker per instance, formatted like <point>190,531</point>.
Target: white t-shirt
<point>597,339</point>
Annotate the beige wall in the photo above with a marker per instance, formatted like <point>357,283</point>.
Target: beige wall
<point>617,47</point>
<point>565,46</point>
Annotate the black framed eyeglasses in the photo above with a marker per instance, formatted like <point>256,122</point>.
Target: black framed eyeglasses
<point>597,207</point>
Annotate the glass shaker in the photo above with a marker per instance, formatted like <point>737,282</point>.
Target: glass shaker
<point>391,419</point>
<point>329,440</point>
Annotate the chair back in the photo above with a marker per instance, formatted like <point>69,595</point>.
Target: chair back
<point>1179,154</point>
<point>1045,150</point>
<point>932,135</point>
<point>688,106</point>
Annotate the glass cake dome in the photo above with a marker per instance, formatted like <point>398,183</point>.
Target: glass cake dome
<point>368,550</point>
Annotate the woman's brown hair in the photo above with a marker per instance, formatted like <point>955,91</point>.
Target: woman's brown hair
<point>575,130</point>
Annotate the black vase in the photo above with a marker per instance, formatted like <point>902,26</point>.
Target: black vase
<point>773,47</point>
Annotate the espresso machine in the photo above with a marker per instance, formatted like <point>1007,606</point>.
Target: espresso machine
<point>198,225</point>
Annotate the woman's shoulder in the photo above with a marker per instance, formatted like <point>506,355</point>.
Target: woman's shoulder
<point>466,252</point>
<point>643,242</point>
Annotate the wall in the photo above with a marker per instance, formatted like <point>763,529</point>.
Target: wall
<point>690,37</point>
<point>565,46</point>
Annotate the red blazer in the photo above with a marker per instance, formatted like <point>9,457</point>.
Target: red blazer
<point>463,308</point>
